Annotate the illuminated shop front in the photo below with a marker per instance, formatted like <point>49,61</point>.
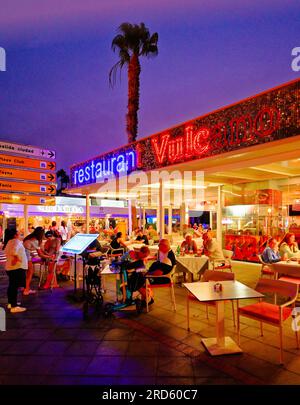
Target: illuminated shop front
<point>103,213</point>
<point>249,153</point>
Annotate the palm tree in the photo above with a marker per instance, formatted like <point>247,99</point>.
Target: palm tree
<point>64,179</point>
<point>132,42</point>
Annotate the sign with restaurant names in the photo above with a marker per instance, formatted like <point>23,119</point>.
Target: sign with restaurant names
<point>16,186</point>
<point>26,162</point>
<point>10,173</point>
<point>264,118</point>
<point>26,199</point>
<point>26,180</point>
<point>26,150</point>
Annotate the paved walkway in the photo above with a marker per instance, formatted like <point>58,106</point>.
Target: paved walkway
<point>52,344</point>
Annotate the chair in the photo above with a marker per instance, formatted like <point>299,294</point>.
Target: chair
<point>210,275</point>
<point>168,284</point>
<point>41,264</point>
<point>272,314</point>
<point>266,268</point>
<point>2,264</point>
<point>222,264</point>
<point>116,252</point>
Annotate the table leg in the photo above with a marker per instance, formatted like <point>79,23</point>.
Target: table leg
<point>221,344</point>
<point>220,323</point>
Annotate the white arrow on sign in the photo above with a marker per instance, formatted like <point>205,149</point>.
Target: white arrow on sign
<point>26,150</point>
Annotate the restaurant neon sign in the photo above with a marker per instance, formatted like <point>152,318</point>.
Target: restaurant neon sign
<point>98,169</point>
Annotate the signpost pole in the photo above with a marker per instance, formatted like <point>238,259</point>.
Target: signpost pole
<point>75,273</point>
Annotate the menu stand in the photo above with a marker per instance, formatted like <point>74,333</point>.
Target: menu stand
<point>75,246</point>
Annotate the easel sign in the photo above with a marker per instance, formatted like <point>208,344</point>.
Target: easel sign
<point>76,246</point>
<point>79,243</point>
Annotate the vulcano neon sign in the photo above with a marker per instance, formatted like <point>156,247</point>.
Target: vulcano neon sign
<point>197,142</point>
<point>104,167</point>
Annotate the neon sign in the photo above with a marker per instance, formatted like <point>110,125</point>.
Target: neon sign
<point>192,143</point>
<point>197,142</point>
<point>101,168</point>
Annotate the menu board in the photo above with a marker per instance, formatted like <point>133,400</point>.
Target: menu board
<point>79,243</point>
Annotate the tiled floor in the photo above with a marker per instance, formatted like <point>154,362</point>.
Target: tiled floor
<point>52,344</point>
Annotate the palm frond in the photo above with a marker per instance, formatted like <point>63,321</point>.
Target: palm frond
<point>113,73</point>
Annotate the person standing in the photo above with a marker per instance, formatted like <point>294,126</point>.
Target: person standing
<point>16,266</point>
<point>63,230</point>
<point>32,243</point>
<point>51,248</point>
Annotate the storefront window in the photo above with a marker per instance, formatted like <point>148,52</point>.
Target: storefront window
<point>256,211</point>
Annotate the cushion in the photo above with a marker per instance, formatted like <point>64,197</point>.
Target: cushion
<point>265,312</point>
<point>294,280</point>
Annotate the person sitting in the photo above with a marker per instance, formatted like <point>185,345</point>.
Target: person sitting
<point>271,253</point>
<point>51,248</point>
<point>189,245</point>
<point>152,233</point>
<point>118,242</point>
<point>141,237</point>
<point>212,249</point>
<point>289,246</point>
<point>165,262</point>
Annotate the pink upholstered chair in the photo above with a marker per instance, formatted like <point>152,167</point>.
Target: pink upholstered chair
<point>266,268</point>
<point>272,314</point>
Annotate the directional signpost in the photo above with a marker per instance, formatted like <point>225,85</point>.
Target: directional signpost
<point>26,150</point>
<point>11,173</point>
<point>26,162</point>
<point>26,199</point>
<point>15,186</point>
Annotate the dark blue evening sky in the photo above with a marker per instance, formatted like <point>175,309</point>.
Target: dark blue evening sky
<point>55,91</point>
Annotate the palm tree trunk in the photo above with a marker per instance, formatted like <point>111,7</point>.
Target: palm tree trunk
<point>134,70</point>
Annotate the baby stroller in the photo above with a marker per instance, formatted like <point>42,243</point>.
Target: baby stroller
<point>93,294</point>
<point>128,286</point>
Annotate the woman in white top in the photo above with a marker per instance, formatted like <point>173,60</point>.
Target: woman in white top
<point>16,266</point>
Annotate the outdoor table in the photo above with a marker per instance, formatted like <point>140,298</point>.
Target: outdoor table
<point>231,290</point>
<point>287,271</point>
<point>282,265</point>
<point>191,264</point>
